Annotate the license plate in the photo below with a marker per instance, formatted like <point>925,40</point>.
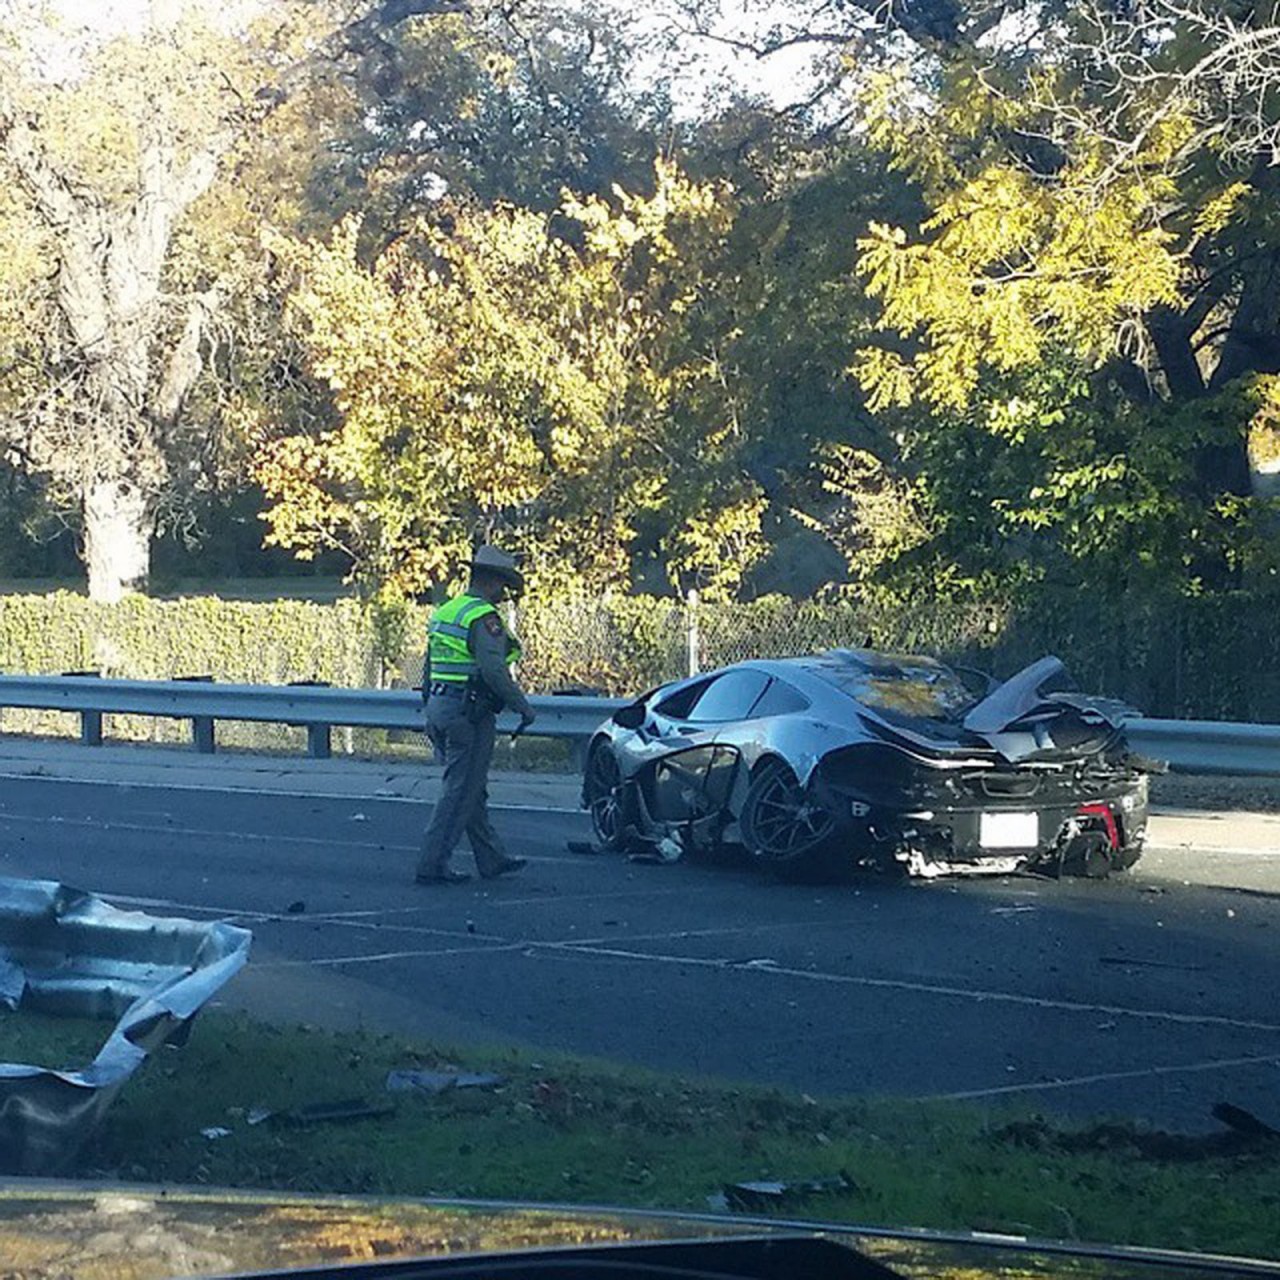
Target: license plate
<point>1009,831</point>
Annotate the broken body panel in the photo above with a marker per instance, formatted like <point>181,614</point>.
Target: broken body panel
<point>66,952</point>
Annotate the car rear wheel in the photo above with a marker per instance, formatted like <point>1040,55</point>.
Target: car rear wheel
<point>786,830</point>
<point>602,790</point>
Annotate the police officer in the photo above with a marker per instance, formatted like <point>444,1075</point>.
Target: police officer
<point>466,682</point>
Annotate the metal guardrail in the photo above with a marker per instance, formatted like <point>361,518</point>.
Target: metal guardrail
<point>316,708</point>
<point>1208,746</point>
<point>1189,746</point>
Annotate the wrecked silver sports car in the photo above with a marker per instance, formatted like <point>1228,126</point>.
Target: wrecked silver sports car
<point>853,758</point>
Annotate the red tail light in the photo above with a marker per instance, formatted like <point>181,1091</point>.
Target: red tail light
<point>1103,811</point>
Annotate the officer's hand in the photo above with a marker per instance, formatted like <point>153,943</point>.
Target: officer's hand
<point>527,718</point>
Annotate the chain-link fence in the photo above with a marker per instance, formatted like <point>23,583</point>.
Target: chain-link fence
<point>1216,658</point>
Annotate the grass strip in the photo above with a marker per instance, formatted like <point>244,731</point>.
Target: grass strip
<point>583,1131</point>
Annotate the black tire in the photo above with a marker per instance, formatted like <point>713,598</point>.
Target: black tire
<point>1091,857</point>
<point>786,831</point>
<point>605,798</point>
<point>1127,856</point>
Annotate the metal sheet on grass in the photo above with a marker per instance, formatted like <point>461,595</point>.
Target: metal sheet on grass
<point>66,952</point>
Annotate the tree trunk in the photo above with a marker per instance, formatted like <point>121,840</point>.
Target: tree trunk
<point>119,523</point>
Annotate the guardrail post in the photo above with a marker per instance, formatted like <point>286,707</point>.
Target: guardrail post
<point>319,741</point>
<point>203,737</point>
<point>90,721</point>
<point>319,736</point>
<point>693,638</point>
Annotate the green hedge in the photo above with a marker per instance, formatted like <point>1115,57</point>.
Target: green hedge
<point>1211,658</point>
<point>144,639</point>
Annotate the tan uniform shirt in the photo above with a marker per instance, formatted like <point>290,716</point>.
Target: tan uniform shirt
<point>488,642</point>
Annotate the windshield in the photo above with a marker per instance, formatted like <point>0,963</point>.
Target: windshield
<point>393,391</point>
<point>902,689</point>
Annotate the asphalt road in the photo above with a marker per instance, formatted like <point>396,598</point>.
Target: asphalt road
<point>1143,996</point>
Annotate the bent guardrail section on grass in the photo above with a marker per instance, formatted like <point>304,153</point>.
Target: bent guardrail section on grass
<point>65,952</point>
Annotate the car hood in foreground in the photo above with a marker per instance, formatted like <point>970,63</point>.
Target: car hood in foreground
<point>71,1231</point>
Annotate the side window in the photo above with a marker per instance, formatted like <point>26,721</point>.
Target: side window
<point>676,706</point>
<point>730,697</point>
<point>779,699</point>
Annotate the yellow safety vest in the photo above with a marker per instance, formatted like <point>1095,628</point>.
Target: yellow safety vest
<point>448,634</point>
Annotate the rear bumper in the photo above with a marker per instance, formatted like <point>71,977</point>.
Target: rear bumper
<point>1001,835</point>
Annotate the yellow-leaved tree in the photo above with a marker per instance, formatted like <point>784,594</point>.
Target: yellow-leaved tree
<point>500,374</point>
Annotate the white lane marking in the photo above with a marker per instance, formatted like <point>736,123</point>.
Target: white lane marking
<point>362,797</point>
<point>135,901</point>
<point>677,935</point>
<point>93,824</point>
<point>549,899</point>
<point>1217,1064</point>
<point>1211,851</point>
<point>380,957</point>
<point>373,797</point>
<point>145,828</point>
<point>252,916</point>
<point>977,994</point>
<point>342,919</point>
<point>593,947</point>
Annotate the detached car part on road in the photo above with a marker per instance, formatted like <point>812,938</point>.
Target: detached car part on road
<point>854,758</point>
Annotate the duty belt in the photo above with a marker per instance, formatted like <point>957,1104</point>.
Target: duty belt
<point>445,689</point>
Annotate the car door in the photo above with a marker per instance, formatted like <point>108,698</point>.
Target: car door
<point>694,779</point>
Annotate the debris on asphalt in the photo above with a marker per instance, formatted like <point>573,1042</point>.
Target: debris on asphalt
<point>552,1100</point>
<point>406,1081</point>
<point>666,851</point>
<point>1245,1134</point>
<point>1150,964</point>
<point>750,1197</point>
<point>214,1132</point>
<point>256,1115</point>
<point>359,817</point>
<point>328,1112</point>
<point>296,908</point>
<point>471,926</point>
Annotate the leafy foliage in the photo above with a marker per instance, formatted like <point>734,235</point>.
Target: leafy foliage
<point>1058,344</point>
<point>505,374</point>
